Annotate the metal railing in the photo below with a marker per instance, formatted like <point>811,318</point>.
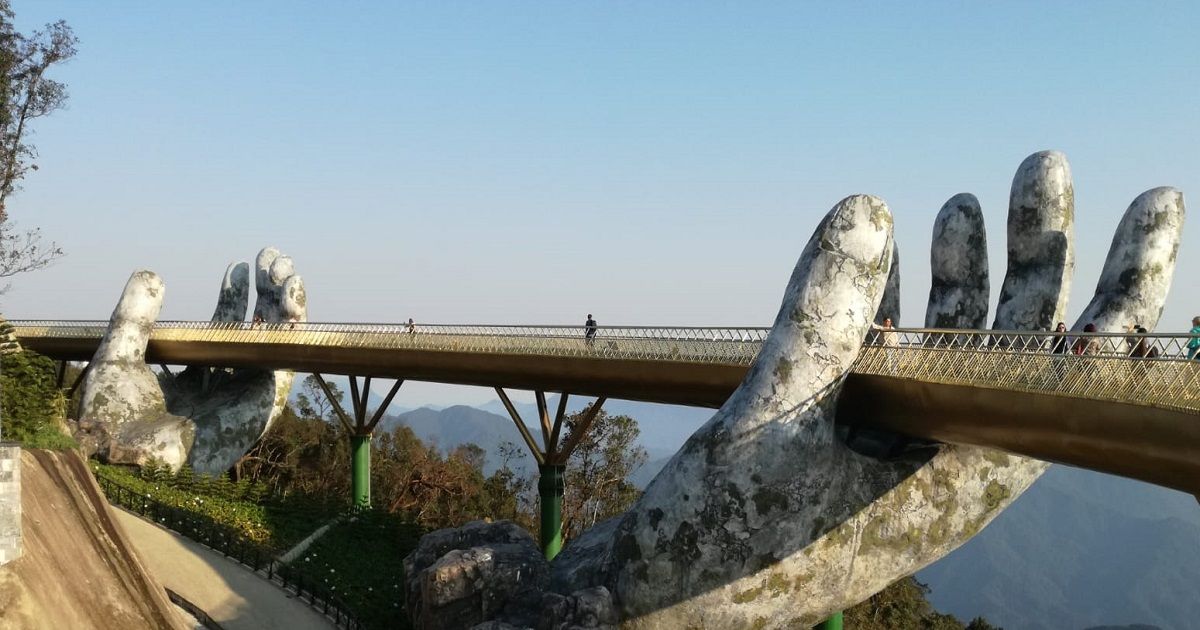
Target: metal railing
<point>1158,370</point>
<point>727,346</point>
<point>1147,369</point>
<point>228,542</point>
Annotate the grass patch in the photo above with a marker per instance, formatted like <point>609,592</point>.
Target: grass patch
<point>277,523</point>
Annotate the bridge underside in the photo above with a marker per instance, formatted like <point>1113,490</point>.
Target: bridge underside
<point>1152,444</point>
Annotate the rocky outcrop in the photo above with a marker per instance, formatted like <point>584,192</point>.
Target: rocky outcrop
<point>764,519</point>
<point>492,575</point>
<point>204,417</point>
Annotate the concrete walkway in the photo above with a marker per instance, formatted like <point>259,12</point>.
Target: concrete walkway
<point>232,595</point>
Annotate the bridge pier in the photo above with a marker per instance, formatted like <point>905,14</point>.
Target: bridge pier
<point>551,488</point>
<point>360,464</point>
<point>551,460</point>
<point>359,432</point>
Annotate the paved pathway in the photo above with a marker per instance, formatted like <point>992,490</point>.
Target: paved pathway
<point>232,595</point>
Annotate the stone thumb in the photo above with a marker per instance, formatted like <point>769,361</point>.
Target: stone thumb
<point>132,320</point>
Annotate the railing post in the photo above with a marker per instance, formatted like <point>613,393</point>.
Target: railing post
<point>550,492</point>
<point>834,622</point>
<point>360,453</point>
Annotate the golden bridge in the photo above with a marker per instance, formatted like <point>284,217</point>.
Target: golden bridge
<point>1116,403</point>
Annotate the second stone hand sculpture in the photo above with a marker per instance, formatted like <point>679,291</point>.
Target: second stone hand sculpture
<point>204,418</point>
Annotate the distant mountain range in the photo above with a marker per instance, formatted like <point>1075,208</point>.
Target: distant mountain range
<point>454,426</point>
<point>489,426</point>
<point>1078,550</point>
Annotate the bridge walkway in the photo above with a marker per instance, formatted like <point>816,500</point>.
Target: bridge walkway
<point>1117,403</point>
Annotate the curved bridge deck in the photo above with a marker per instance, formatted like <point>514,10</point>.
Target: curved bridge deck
<point>1127,404</point>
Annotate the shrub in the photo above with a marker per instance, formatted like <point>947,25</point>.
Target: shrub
<point>31,405</point>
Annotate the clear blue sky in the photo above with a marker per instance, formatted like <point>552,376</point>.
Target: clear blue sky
<point>652,163</point>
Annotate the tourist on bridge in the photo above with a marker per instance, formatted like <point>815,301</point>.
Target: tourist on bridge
<point>1060,340</point>
<point>888,335</point>
<point>589,330</point>
<point>1194,343</point>
<point>1087,345</point>
<point>410,327</point>
<point>1143,349</point>
<point>1060,348</point>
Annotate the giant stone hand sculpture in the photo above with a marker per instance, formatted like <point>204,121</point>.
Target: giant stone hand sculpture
<point>206,418</point>
<point>764,518</point>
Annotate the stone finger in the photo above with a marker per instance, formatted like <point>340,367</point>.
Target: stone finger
<point>120,398</point>
<point>294,299</point>
<point>1041,255</point>
<point>272,271</point>
<point>826,310</point>
<point>958,297</point>
<point>234,295</point>
<point>132,320</point>
<point>1141,263</point>
<point>730,491</point>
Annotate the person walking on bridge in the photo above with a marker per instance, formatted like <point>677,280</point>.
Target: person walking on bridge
<point>1060,348</point>
<point>888,336</point>
<point>1060,339</point>
<point>589,330</point>
<point>1194,343</point>
<point>1087,345</point>
<point>1143,348</point>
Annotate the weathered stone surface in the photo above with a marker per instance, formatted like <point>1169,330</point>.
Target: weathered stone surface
<point>762,509</point>
<point>481,572</point>
<point>120,392</point>
<point>889,304</point>
<point>1041,251</point>
<point>958,296</point>
<point>205,418</point>
<point>763,521</point>
<point>234,294</point>
<point>1141,263</point>
<point>10,503</point>
<point>586,608</point>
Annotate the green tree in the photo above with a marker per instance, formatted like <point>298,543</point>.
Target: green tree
<point>597,475</point>
<point>313,404</point>
<point>299,455</point>
<point>26,93</point>
<point>904,606</point>
<point>31,405</point>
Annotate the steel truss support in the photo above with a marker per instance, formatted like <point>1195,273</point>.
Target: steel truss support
<point>551,459</point>
<point>359,431</point>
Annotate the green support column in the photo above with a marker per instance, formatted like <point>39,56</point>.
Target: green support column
<point>834,622</point>
<point>550,491</point>
<point>360,457</point>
